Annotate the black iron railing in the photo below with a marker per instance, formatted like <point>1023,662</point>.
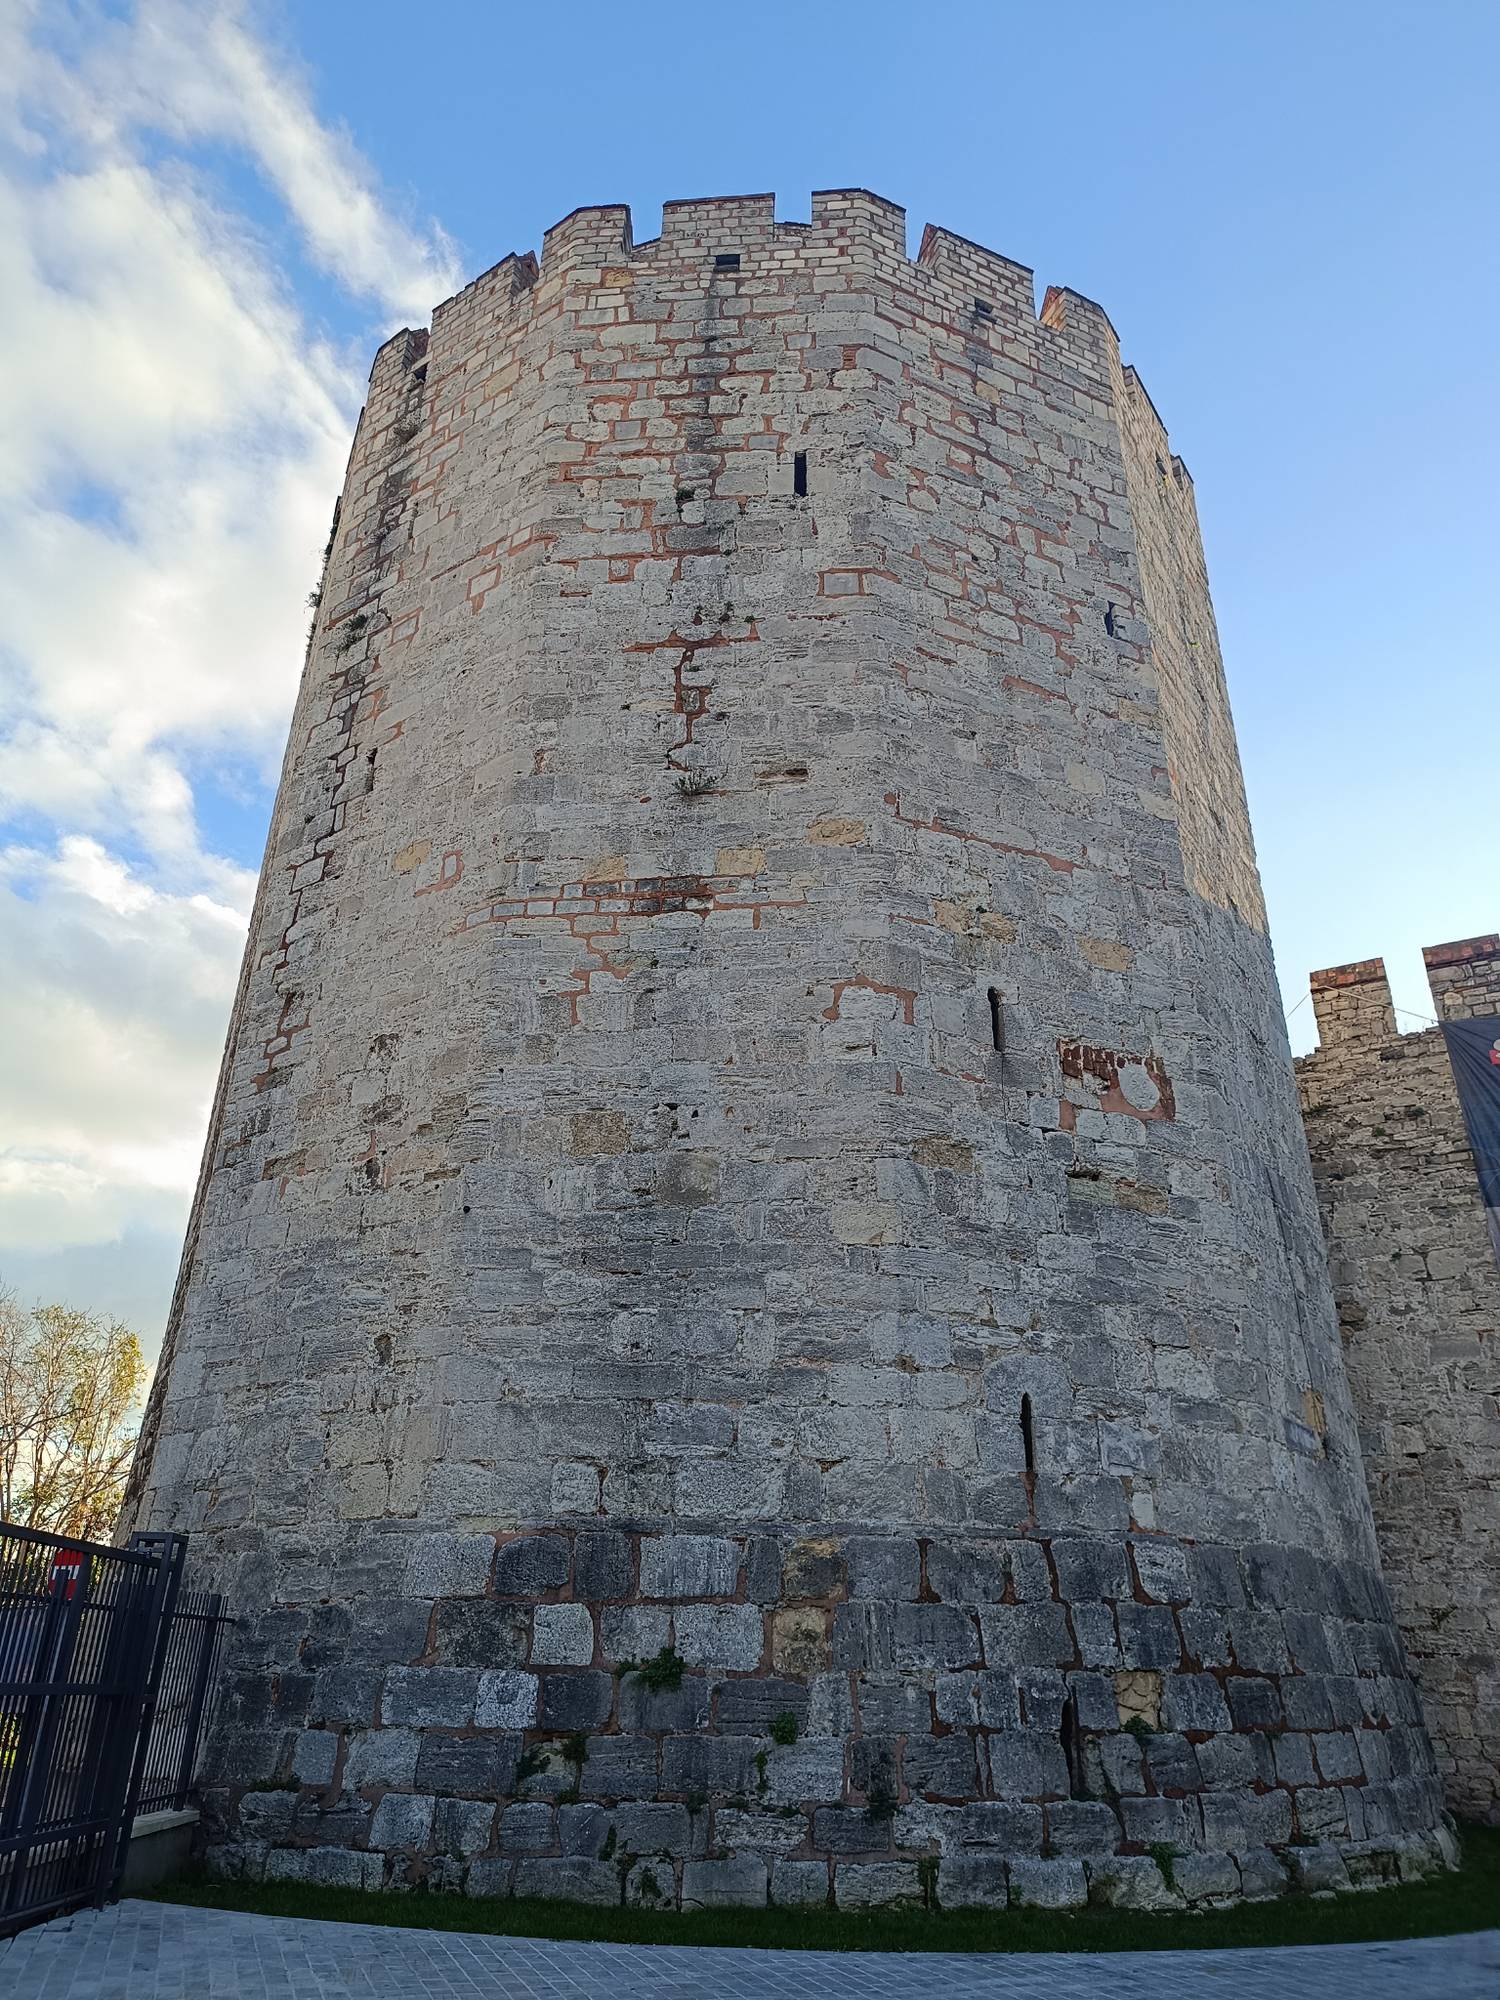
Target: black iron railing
<point>194,1635</point>
<point>91,1640</point>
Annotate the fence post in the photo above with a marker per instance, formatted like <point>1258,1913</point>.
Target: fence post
<point>45,1714</point>
<point>208,1647</point>
<point>170,1551</point>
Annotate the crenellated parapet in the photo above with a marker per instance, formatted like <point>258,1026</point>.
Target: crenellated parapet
<point>855,241</point>
<point>1464,977</point>
<point>1418,1294</point>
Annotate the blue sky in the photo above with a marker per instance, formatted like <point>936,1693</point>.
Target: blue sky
<point>216,211</point>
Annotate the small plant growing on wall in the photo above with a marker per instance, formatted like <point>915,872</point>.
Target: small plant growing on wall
<point>660,1674</point>
<point>693,784</point>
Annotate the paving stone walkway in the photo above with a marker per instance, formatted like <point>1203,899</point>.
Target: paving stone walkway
<point>156,1951</point>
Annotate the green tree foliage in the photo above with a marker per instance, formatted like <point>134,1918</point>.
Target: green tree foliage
<point>69,1384</point>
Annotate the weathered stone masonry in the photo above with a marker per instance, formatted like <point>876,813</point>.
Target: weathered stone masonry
<point>755,1322</point>
<point>1418,1297</point>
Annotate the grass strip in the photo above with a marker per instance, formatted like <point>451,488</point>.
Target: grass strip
<point>1465,1900</point>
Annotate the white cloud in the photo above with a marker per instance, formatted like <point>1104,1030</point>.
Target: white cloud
<point>173,431</point>
<point>214,76</point>
<point>158,370</point>
<point>116,1000</point>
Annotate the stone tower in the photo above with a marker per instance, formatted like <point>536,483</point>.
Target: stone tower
<point>757,1138</point>
<point>1418,1295</point>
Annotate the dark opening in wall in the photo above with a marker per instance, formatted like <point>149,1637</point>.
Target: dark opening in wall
<point>997,1022</point>
<point>799,474</point>
<point>983,309</point>
<point>419,374</point>
<point>1109,620</point>
<point>1071,1740</point>
<point>1028,1440</point>
<point>727,260</point>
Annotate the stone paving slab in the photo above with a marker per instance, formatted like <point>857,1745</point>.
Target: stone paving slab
<point>160,1951</point>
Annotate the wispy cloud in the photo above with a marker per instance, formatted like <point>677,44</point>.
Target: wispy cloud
<point>117,993</point>
<point>200,71</point>
<point>172,435</point>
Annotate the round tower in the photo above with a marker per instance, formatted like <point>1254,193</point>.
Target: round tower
<point>754,1321</point>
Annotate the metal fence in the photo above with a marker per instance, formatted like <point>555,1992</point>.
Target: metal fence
<point>194,1634</point>
<point>95,1643</point>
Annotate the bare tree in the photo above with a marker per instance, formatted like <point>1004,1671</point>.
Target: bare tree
<point>69,1384</point>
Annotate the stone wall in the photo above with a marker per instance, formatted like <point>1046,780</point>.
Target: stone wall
<point>1418,1296</point>
<point>745,1148</point>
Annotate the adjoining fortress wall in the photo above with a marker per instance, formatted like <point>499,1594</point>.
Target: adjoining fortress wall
<point>1418,1294</point>
<point>758,1138</point>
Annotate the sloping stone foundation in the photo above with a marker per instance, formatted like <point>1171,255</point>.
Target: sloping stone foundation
<point>701,1718</point>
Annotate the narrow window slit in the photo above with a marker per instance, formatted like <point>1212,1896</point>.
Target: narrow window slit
<point>983,309</point>
<point>1028,1441</point>
<point>1071,1741</point>
<point>1109,620</point>
<point>799,474</point>
<point>727,260</point>
<point>997,1022</point>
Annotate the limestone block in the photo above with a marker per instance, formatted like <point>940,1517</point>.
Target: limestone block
<point>528,1829</point>
<point>429,1696</point>
<point>506,1699</point>
<point>381,1757</point>
<point>449,1565</point>
<point>1046,1885</point>
<point>602,1565</point>
<point>1194,1701</point>
<point>1025,1635</point>
<point>462,1826</point>
<point>483,1766</point>
<point>346,1694</point>
<point>1206,1878</point>
<point>267,1815</point>
<point>1261,1874</point>
<point>687,1566</point>
<point>809,1770</point>
<point>562,1636</point>
<point>1081,1826</point>
<point>1026,1764</point>
<point>582,1830</point>
<point>720,1635</point>
<point>883,1566</point>
<point>651,1885</point>
<point>1090,1569</point>
<point>652,1829</point>
<point>315,1756</point>
<point>1315,1868</point>
<point>567,1879</point>
<point>799,1883</point>
<point>403,1820</point>
<point>619,1767</point>
<point>490,1876</point>
<point>1131,1882</point>
<point>531,1566</point>
<point>570,1701</point>
<point>739,1880</point>
<point>863,1885</point>
<point>478,1632</point>
<point>972,1881</point>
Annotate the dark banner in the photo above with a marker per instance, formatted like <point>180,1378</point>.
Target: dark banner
<point>1474,1051</point>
